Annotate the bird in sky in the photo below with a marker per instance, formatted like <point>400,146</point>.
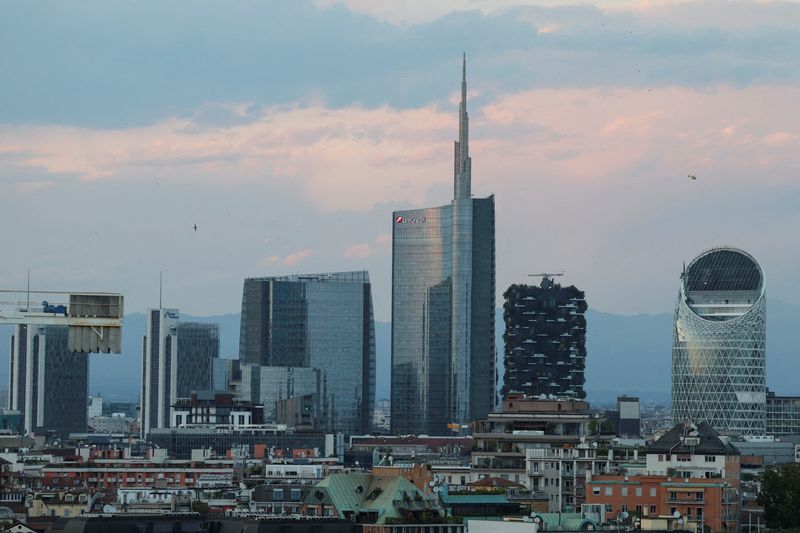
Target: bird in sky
<point>195,227</point>
<point>690,177</point>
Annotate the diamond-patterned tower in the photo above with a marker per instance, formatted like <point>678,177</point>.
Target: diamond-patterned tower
<point>718,350</point>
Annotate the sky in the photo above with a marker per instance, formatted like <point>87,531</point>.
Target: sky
<point>288,132</point>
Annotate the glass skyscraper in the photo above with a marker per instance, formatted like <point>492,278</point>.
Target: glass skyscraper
<point>319,321</point>
<point>443,286</point>
<point>177,359</point>
<point>48,383</point>
<point>718,353</point>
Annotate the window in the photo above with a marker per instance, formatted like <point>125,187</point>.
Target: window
<point>639,510</point>
<point>652,509</point>
<point>624,491</point>
<point>624,508</point>
<point>711,458</point>
<point>652,492</point>
<point>638,491</point>
<point>295,495</point>
<point>596,491</point>
<point>660,457</point>
<point>277,495</point>
<point>609,491</point>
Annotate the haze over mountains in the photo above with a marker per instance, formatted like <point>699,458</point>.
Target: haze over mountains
<point>626,354</point>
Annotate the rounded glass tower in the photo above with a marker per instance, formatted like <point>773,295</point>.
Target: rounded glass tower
<point>718,350</point>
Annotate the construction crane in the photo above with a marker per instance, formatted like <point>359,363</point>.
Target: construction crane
<point>547,278</point>
<point>94,318</point>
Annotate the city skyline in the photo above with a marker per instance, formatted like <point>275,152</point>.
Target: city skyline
<point>597,111</point>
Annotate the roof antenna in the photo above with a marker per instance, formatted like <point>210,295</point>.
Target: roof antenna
<point>160,287</point>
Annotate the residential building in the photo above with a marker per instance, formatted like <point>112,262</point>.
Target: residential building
<point>381,503</point>
<point>545,340</point>
<point>503,439</point>
<point>319,323</point>
<point>690,470</point>
<point>48,383</point>
<point>718,351</point>
<point>712,503</point>
<point>443,294</point>
<point>215,408</point>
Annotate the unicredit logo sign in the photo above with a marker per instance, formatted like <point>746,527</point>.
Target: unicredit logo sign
<point>409,220</point>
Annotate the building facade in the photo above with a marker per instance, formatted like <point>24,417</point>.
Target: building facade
<point>718,351</point>
<point>311,323</point>
<point>783,415</point>
<point>177,358</point>
<point>443,285</point>
<point>545,340</point>
<point>198,348</point>
<point>48,383</point>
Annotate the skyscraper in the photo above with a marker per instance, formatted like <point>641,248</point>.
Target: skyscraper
<point>198,349</point>
<point>718,351</point>
<point>314,321</point>
<point>177,358</point>
<point>443,284</point>
<point>545,340</point>
<point>48,383</point>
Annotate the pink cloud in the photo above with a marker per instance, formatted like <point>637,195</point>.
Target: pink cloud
<point>358,251</point>
<point>355,158</point>
<point>297,257</point>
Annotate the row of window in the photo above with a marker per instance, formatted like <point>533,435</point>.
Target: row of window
<point>685,458</point>
<point>609,491</point>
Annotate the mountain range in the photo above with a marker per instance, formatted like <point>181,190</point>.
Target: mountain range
<point>626,354</point>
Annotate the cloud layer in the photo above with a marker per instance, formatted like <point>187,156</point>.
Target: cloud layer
<point>290,132</point>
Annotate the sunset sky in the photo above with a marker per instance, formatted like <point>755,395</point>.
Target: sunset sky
<point>290,131</point>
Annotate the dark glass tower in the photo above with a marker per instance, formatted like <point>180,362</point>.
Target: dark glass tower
<point>198,347</point>
<point>319,321</point>
<point>49,384</point>
<point>443,283</point>
<point>545,340</point>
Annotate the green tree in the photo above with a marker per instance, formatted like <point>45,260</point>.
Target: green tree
<point>200,507</point>
<point>780,496</point>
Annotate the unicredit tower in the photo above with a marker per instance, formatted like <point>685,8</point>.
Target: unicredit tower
<point>443,289</point>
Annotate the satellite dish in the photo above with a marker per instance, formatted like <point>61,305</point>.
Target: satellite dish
<point>676,514</point>
<point>109,509</point>
<point>431,483</point>
<point>624,514</point>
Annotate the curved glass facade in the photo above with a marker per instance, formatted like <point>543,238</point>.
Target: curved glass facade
<point>719,338</point>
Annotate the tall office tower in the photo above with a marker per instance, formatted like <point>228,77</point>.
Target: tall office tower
<point>198,348</point>
<point>443,283</point>
<point>158,345</point>
<point>545,340</point>
<point>718,350</point>
<point>48,384</point>
<point>177,358</point>
<point>318,321</point>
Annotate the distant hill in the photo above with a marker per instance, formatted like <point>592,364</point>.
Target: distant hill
<point>626,354</point>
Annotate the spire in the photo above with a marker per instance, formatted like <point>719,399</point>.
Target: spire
<point>463,163</point>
